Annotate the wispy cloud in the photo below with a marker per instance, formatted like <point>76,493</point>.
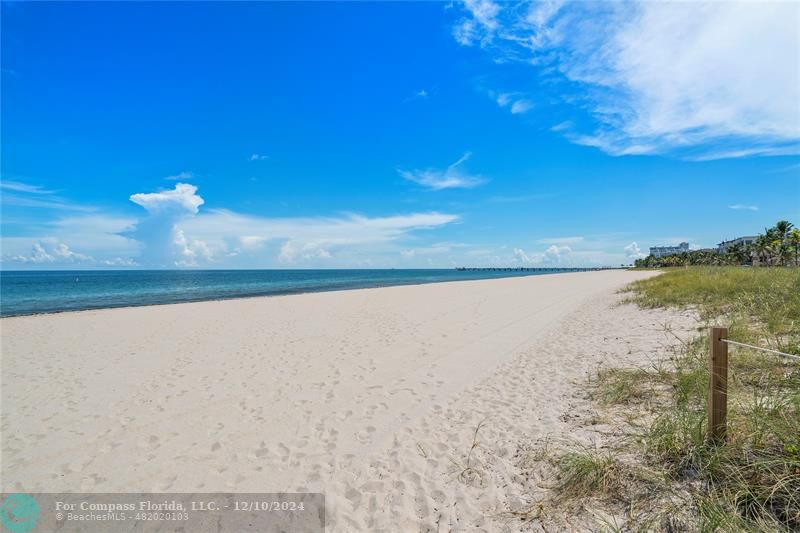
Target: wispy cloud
<point>562,126</point>
<point>421,94</point>
<point>787,168</point>
<point>450,178</point>
<point>303,239</point>
<point>258,157</point>
<point>181,176</point>
<point>50,203</point>
<point>744,206</point>
<point>521,106</point>
<point>22,194</point>
<point>514,102</point>
<point>706,80</point>
<point>18,186</point>
<point>480,27</point>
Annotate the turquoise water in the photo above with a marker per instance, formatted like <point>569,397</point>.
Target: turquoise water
<point>24,293</point>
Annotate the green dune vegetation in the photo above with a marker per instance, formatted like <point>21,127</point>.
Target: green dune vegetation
<point>777,246</point>
<point>662,474</point>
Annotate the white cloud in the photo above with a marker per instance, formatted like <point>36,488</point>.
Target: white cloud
<point>189,251</point>
<point>503,99</point>
<point>305,240</point>
<point>19,186</point>
<point>450,178</point>
<point>516,103</point>
<point>96,233</point>
<point>182,199</point>
<point>62,251</point>
<point>174,231</point>
<point>632,251</point>
<point>702,80</point>
<point>220,225</point>
<point>58,252</point>
<point>252,242</point>
<point>44,202</point>
<point>119,261</point>
<point>521,256</point>
<point>19,194</point>
<point>180,176</point>
<point>566,125</point>
<point>743,206</point>
<point>521,106</point>
<point>163,240</point>
<point>422,93</point>
<point>480,27</point>
<point>292,251</point>
<point>594,250</point>
<point>258,157</point>
<point>555,254</point>
<point>88,240</point>
<point>436,249</point>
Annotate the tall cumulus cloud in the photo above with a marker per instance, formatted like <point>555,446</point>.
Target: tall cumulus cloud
<point>164,242</point>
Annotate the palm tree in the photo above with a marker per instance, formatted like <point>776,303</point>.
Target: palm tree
<point>781,232</point>
<point>794,242</point>
<point>783,228</point>
<point>762,248</point>
<point>738,254</point>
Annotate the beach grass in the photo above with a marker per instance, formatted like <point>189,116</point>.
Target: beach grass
<point>584,472</point>
<point>749,483</point>
<point>621,385</point>
<point>766,300</point>
<point>752,482</point>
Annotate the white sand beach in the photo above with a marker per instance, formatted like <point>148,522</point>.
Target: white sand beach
<point>371,396</point>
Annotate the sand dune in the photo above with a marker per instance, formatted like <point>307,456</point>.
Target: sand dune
<point>371,396</point>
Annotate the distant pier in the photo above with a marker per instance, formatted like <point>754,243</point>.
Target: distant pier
<point>536,269</point>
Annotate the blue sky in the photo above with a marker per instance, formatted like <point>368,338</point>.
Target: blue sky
<point>335,135</point>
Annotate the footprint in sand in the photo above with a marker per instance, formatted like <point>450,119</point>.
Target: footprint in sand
<point>90,482</point>
<point>150,444</point>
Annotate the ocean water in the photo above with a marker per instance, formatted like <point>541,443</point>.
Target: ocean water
<point>24,293</point>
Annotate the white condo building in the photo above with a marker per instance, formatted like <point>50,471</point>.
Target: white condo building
<point>663,251</point>
<point>724,246</point>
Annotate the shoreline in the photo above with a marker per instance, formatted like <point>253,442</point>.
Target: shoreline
<point>299,292</point>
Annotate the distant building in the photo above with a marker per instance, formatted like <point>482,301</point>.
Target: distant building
<point>663,251</point>
<point>724,246</point>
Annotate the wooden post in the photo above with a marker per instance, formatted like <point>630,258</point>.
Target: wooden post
<point>718,385</point>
